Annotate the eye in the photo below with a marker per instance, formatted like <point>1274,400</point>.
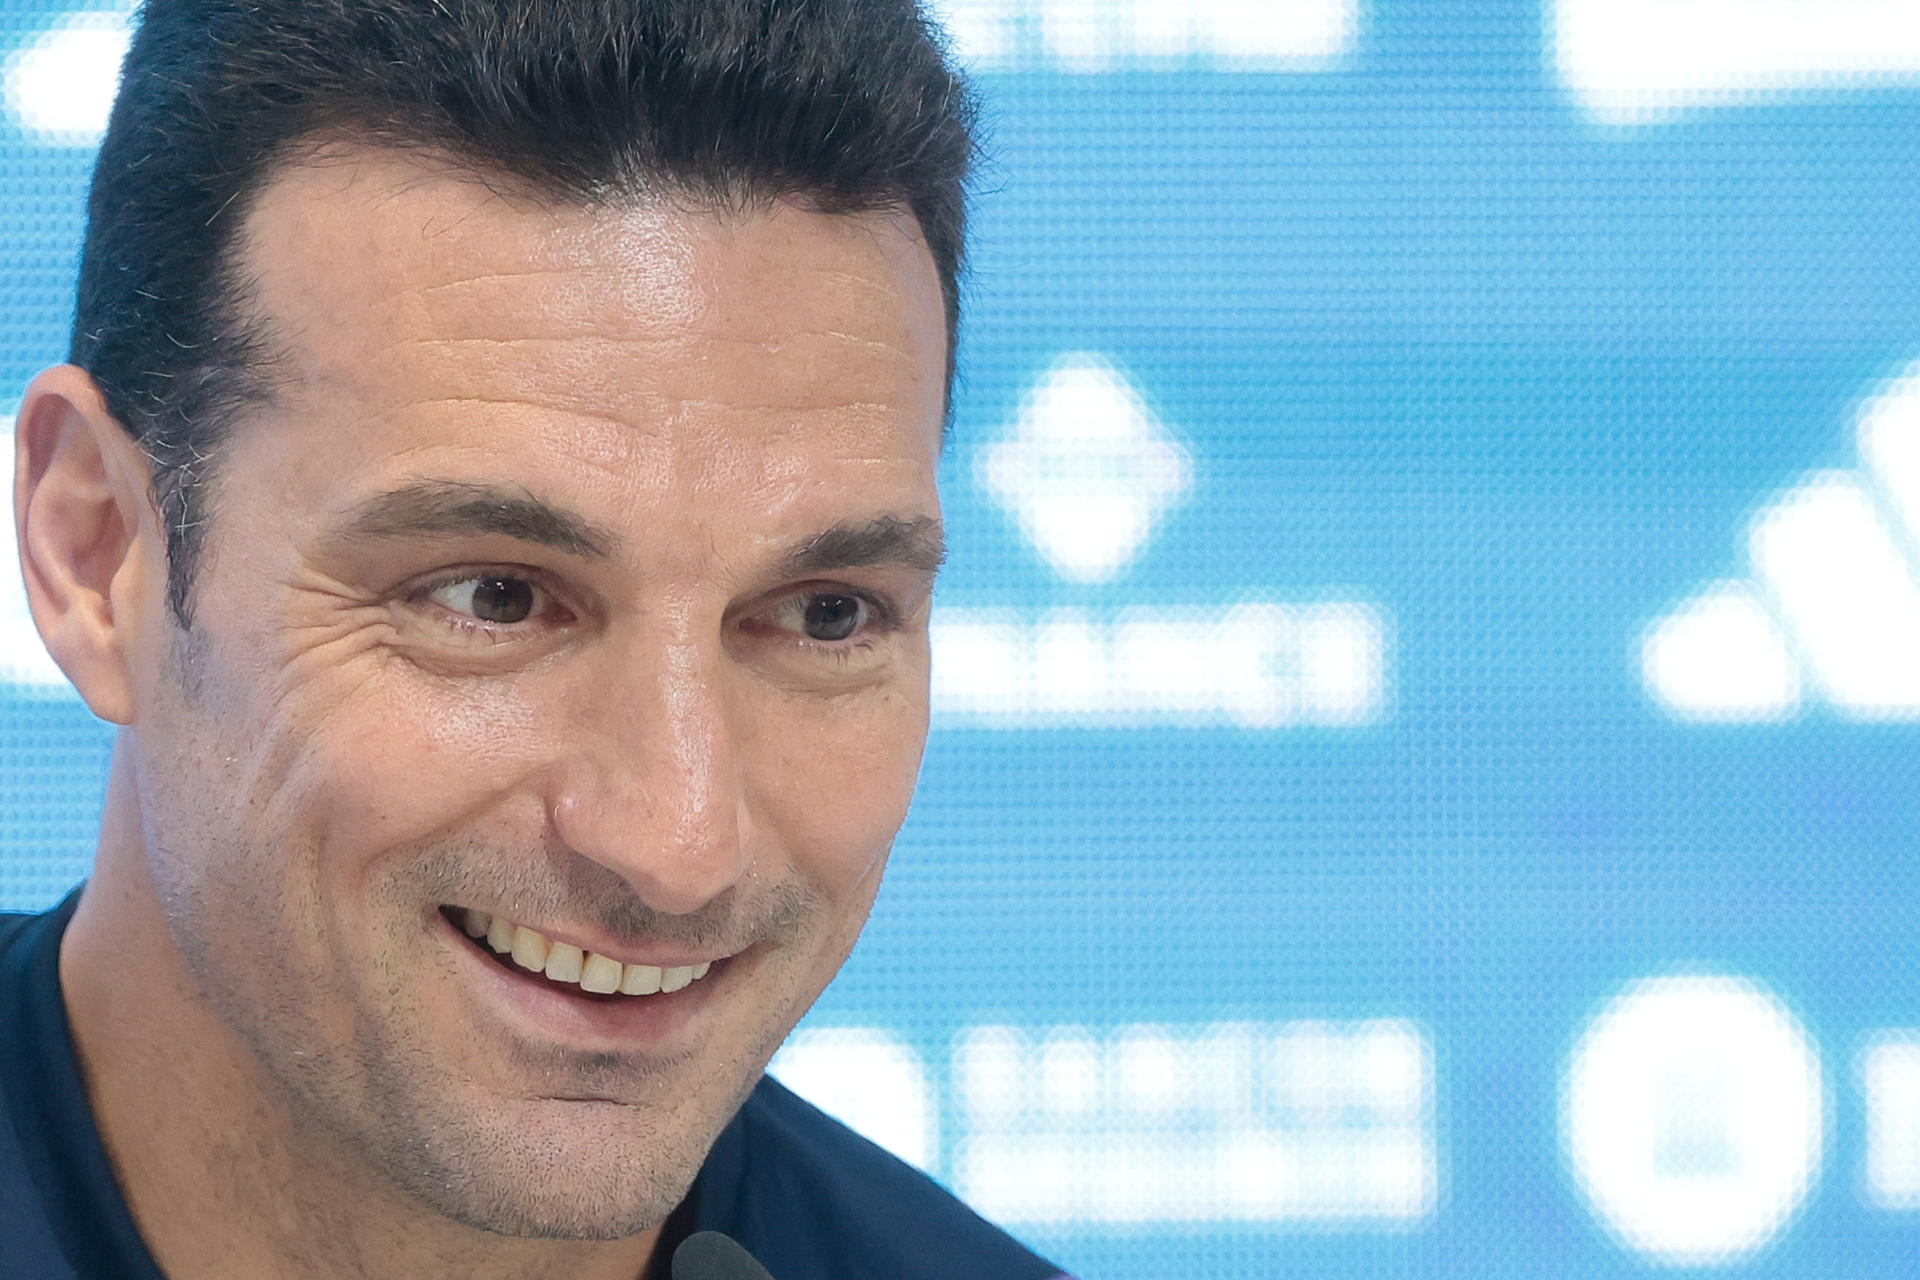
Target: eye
<point>495,598</point>
<point>825,617</point>
<point>833,617</point>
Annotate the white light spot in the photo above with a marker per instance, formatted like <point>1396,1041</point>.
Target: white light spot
<point>1070,1082</point>
<point>1391,1070</point>
<point>1889,436</point>
<point>1186,1131</point>
<point>1721,656</point>
<point>1276,34</point>
<point>1083,35</point>
<point>1254,665</point>
<point>869,1080</point>
<point>1070,664</point>
<point>1640,61</point>
<point>1220,1068</point>
<point>979,663</point>
<point>1846,591</point>
<point>1163,30</point>
<point>1173,662</point>
<point>1692,1116</point>
<point>990,1068</point>
<point>1086,469</point>
<point>1307,1074</point>
<point>984,34</point>
<point>1091,36</point>
<point>1890,1080</point>
<point>60,86</point>
<point>1147,1070</point>
<point>1342,664</point>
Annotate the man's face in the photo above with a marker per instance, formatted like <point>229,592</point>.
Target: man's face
<point>578,576</point>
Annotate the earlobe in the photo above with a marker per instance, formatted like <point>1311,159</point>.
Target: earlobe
<point>86,535</point>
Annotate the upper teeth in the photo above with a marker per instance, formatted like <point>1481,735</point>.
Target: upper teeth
<point>564,962</point>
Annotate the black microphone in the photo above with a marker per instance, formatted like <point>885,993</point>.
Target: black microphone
<point>709,1255</point>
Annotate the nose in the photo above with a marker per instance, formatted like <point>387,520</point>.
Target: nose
<point>649,787</point>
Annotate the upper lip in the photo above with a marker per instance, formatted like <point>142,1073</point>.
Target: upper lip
<point>624,952</point>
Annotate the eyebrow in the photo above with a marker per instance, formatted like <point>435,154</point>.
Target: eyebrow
<point>456,507</point>
<point>464,508</point>
<point>918,543</point>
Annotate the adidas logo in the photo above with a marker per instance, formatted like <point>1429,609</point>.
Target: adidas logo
<point>1830,613</point>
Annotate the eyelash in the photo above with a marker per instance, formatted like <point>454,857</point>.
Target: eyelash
<point>883,618</point>
<point>467,627</point>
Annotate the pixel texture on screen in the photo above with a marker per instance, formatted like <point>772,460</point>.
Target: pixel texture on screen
<point>1835,590</point>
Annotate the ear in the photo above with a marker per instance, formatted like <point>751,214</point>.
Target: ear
<point>90,544</point>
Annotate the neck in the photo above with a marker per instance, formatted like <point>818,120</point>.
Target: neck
<point>221,1180</point>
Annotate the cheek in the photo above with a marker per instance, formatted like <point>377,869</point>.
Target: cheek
<point>366,769</point>
<point>835,788</point>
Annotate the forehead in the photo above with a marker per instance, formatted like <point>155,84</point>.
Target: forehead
<point>427,320</point>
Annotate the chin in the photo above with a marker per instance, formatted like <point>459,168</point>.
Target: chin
<point>592,1180</point>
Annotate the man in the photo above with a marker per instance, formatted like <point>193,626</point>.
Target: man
<point>493,493</point>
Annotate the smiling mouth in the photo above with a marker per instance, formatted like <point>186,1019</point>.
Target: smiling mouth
<point>567,966</point>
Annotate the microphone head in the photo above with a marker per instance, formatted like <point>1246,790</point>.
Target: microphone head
<point>709,1255</point>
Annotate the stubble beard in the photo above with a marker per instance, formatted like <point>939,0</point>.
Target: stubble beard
<point>359,1096</point>
<point>378,1109</point>
<point>362,1098</point>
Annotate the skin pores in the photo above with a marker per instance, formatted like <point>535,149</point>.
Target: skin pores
<point>578,573</point>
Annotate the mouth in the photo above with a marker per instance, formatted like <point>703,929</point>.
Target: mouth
<point>566,968</point>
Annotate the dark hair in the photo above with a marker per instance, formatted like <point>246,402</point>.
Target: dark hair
<point>846,106</point>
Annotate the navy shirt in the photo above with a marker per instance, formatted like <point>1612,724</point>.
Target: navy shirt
<point>806,1195</point>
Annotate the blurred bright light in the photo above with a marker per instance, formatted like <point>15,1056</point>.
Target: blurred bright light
<point>1090,36</point>
<point>1846,591</point>
<point>1070,1072</point>
<point>1889,438</point>
<point>1164,1124</point>
<point>1835,596</point>
<point>1251,665</point>
<point>1147,1070</point>
<point>1085,469</point>
<point>60,86</point>
<point>1692,1112</point>
<point>988,1063</point>
<point>1342,657</point>
<point>1890,1082</point>
<point>1720,656</point>
<point>869,1079</point>
<point>1639,61</point>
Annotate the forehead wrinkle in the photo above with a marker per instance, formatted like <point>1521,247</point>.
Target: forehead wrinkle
<point>521,404</point>
<point>661,407</point>
<point>774,341</point>
<point>534,340</point>
<point>494,277</point>
<point>786,406</point>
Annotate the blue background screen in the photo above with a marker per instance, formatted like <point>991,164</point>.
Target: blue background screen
<point>1428,675</point>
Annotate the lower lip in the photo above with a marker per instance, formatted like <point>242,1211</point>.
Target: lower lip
<point>655,1023</point>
